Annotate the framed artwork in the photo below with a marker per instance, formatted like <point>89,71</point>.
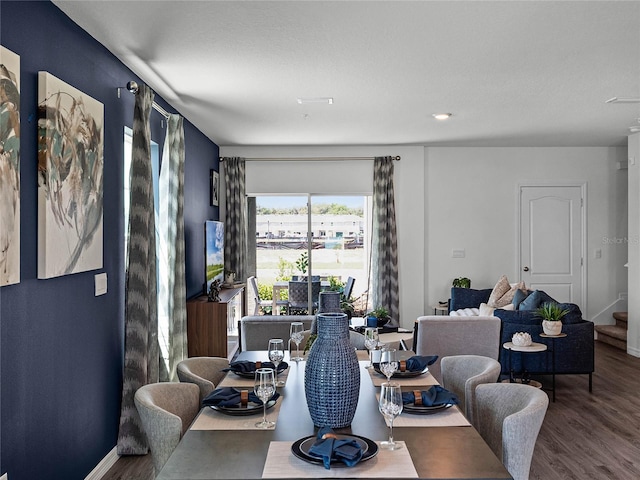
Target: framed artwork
<point>70,179</point>
<point>9,167</point>
<point>215,188</point>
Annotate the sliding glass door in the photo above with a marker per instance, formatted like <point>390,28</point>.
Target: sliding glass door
<point>323,236</point>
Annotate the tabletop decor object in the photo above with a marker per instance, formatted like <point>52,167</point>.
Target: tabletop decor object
<point>521,339</point>
<point>332,374</point>
<point>551,314</point>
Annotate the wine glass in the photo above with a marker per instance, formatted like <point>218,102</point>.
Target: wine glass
<point>264,386</point>
<point>388,362</point>
<point>276,354</point>
<point>370,342</point>
<point>296,334</point>
<point>390,406</point>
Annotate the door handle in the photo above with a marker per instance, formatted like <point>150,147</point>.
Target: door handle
<point>525,269</point>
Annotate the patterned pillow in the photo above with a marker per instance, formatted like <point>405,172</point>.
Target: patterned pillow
<point>503,292</point>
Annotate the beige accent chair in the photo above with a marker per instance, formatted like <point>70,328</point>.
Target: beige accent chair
<point>509,417</point>
<point>445,336</point>
<point>206,372</point>
<point>461,374</point>
<point>166,411</point>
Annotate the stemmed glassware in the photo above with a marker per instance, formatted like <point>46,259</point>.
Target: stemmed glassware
<point>390,406</point>
<point>296,334</point>
<point>370,342</point>
<point>388,362</point>
<point>276,355</point>
<point>264,386</point>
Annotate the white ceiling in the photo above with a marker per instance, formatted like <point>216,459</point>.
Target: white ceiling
<point>513,73</point>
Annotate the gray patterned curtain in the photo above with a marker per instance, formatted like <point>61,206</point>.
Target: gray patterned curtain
<point>384,249</point>
<point>235,222</point>
<point>171,222</point>
<point>141,357</point>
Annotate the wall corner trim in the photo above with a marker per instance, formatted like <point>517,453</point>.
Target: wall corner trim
<point>105,464</point>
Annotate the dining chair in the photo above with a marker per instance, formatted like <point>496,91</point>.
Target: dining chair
<point>445,336</point>
<point>255,304</point>
<point>206,372</point>
<point>166,410</point>
<point>299,295</point>
<point>461,374</point>
<point>348,288</point>
<point>509,417</point>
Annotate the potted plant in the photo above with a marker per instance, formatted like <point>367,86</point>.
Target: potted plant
<point>551,314</point>
<point>462,282</point>
<point>379,316</point>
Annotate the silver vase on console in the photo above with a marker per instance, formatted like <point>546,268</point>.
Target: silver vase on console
<point>332,373</point>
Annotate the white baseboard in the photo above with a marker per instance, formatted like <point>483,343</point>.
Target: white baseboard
<point>103,467</point>
<point>633,351</point>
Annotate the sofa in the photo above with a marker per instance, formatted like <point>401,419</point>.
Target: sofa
<point>574,354</point>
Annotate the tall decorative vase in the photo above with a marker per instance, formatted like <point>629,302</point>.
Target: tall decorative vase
<point>332,374</point>
<point>328,302</point>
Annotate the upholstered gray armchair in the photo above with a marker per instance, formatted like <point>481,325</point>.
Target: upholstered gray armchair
<point>509,417</point>
<point>166,411</point>
<point>206,372</point>
<point>461,374</point>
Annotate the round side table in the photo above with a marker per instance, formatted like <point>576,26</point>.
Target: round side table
<point>553,359</point>
<point>533,348</point>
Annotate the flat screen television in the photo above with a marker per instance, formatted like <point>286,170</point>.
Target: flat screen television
<point>214,252</point>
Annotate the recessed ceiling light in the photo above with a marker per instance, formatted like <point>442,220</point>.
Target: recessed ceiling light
<point>327,100</point>
<point>442,116</point>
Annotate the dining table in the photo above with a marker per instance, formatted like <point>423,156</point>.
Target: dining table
<point>439,446</point>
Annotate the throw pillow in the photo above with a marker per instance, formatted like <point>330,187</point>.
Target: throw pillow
<point>518,297</point>
<point>498,291</point>
<point>534,300</point>
<point>485,310</point>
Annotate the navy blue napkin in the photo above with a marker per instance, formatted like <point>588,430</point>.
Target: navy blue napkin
<point>229,397</point>
<point>245,366</point>
<point>417,363</point>
<point>433,397</point>
<point>347,451</point>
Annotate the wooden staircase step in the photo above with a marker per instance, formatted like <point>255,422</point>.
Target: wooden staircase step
<point>621,318</point>
<point>613,335</point>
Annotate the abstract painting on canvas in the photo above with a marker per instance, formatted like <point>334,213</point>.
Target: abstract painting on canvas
<point>9,167</point>
<point>70,179</point>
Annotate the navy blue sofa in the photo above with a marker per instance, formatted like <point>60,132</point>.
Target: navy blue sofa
<point>574,353</point>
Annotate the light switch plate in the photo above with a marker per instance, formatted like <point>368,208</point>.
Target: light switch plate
<point>458,253</point>
<point>100,285</point>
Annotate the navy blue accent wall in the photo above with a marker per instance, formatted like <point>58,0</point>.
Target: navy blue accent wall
<point>61,348</point>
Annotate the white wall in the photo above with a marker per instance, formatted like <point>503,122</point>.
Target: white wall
<point>472,204</point>
<point>334,176</point>
<point>465,198</point>
<point>633,334</point>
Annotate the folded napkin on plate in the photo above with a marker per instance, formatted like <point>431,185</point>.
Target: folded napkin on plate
<point>328,446</point>
<point>417,363</point>
<point>228,397</point>
<point>433,397</point>
<point>245,366</point>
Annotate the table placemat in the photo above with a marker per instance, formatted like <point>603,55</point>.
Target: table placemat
<point>421,381</point>
<point>233,380</point>
<point>281,463</point>
<point>451,417</point>
<point>209,419</point>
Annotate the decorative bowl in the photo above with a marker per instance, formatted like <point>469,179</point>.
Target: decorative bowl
<point>521,339</point>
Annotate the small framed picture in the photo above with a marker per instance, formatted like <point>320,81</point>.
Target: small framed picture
<point>215,188</point>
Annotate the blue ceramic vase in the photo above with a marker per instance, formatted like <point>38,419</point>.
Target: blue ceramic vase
<point>332,374</point>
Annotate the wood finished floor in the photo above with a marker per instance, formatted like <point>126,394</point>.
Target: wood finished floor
<point>584,436</point>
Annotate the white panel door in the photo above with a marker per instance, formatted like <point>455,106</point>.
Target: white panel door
<point>551,229</point>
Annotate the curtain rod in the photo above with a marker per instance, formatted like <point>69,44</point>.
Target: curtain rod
<point>277,159</point>
<point>132,86</point>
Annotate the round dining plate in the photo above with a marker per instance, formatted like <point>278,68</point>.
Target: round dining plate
<point>423,409</point>
<point>300,449</point>
<point>239,410</point>
<point>397,374</point>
